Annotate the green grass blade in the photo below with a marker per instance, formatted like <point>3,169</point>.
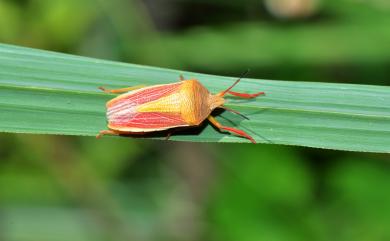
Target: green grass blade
<point>52,93</point>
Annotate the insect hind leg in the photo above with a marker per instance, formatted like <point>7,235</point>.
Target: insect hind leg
<point>106,132</point>
<point>121,90</point>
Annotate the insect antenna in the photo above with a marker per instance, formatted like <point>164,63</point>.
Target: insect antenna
<point>236,82</point>
<point>234,111</point>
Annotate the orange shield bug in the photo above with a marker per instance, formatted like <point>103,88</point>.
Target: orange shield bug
<point>161,107</point>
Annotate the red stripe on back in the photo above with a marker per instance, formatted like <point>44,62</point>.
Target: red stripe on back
<point>149,120</point>
<point>122,114</point>
<point>138,97</point>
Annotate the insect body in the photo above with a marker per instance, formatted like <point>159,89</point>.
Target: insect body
<point>161,107</point>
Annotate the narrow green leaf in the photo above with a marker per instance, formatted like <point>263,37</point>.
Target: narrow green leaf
<point>53,93</point>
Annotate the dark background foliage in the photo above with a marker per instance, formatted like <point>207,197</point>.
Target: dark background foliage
<point>78,188</point>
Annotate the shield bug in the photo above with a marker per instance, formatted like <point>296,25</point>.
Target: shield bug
<point>186,103</point>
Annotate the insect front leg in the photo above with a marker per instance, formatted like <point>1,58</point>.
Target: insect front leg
<point>230,129</point>
<point>121,90</point>
<point>245,95</point>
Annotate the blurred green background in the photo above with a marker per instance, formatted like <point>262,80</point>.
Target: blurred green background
<point>78,188</point>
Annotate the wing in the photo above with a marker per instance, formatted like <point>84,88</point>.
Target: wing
<point>147,122</point>
<point>143,95</point>
<point>122,111</point>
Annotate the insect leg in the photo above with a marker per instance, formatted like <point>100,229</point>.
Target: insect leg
<point>168,135</point>
<point>245,95</point>
<point>233,111</point>
<point>106,132</point>
<point>172,131</point>
<point>122,90</point>
<point>230,129</point>
<point>181,77</point>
